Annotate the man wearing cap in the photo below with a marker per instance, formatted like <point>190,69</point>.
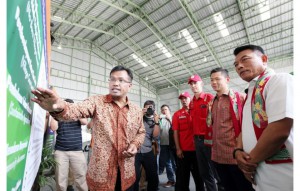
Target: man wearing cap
<point>198,110</point>
<point>185,148</point>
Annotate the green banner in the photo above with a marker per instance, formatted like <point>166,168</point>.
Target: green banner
<point>25,64</point>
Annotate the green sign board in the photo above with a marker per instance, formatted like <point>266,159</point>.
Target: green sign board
<point>26,69</point>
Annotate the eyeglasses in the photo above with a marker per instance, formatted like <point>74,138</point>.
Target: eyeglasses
<point>121,81</point>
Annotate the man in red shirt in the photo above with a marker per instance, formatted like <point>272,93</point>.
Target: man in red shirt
<point>199,111</point>
<point>185,148</point>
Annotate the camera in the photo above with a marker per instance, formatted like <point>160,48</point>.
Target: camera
<point>150,111</point>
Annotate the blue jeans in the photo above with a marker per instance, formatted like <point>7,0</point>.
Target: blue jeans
<point>205,165</point>
<point>148,161</point>
<point>166,159</point>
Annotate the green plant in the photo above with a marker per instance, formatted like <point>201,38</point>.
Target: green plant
<point>46,169</point>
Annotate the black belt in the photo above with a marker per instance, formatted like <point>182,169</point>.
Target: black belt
<point>199,136</point>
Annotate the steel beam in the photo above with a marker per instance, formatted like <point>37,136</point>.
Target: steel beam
<point>198,28</point>
<point>244,20</point>
<point>91,46</point>
<point>143,17</point>
<point>120,35</point>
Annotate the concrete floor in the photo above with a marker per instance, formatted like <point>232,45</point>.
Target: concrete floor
<point>163,179</point>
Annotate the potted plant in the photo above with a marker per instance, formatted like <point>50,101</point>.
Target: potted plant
<point>46,169</point>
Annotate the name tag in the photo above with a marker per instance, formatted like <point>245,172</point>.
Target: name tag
<point>182,117</point>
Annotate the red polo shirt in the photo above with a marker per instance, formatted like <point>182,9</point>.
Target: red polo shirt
<point>181,122</point>
<point>198,111</point>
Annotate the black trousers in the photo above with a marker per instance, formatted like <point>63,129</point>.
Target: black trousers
<point>185,166</point>
<point>118,183</point>
<point>206,168</point>
<point>148,161</point>
<point>232,178</point>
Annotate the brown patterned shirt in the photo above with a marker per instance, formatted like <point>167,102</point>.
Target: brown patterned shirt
<point>224,141</point>
<point>114,128</point>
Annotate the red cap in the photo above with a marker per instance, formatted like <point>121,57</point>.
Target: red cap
<point>194,78</point>
<point>184,94</point>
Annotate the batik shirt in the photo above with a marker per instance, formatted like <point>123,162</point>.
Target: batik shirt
<point>114,129</point>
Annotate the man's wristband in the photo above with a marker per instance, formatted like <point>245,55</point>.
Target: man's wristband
<point>156,123</point>
<point>235,150</point>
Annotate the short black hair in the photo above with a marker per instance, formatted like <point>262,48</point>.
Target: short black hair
<point>149,102</point>
<point>222,70</point>
<point>165,105</point>
<point>246,47</point>
<point>122,68</point>
<point>69,100</point>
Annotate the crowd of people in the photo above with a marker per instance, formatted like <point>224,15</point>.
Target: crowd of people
<point>229,140</point>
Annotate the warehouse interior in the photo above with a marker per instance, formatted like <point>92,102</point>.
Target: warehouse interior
<point>163,42</point>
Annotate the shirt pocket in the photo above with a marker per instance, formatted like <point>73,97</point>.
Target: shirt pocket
<point>203,110</point>
<point>183,124</point>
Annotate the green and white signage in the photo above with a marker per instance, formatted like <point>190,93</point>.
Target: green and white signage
<point>26,69</point>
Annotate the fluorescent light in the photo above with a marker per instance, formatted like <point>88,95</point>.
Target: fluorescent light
<point>59,47</point>
<point>57,19</point>
<point>163,49</point>
<point>139,60</point>
<point>264,10</point>
<point>186,34</point>
<point>224,32</point>
<point>221,24</point>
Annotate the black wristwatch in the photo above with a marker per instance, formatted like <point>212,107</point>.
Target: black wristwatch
<point>235,150</point>
<point>56,112</point>
<point>156,123</point>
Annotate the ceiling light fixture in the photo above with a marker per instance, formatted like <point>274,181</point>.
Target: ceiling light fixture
<point>139,60</point>
<point>186,34</point>
<point>221,24</point>
<point>57,19</point>
<point>264,10</point>
<point>163,49</point>
<point>59,46</point>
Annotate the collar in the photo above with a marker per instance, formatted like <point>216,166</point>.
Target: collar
<point>255,79</point>
<point>202,95</point>
<point>253,82</point>
<point>183,110</point>
<point>226,94</point>
<point>108,99</point>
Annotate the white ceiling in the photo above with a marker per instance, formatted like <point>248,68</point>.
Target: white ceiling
<point>122,28</point>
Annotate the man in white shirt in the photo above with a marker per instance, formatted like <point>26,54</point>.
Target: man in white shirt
<point>265,146</point>
<point>166,156</point>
